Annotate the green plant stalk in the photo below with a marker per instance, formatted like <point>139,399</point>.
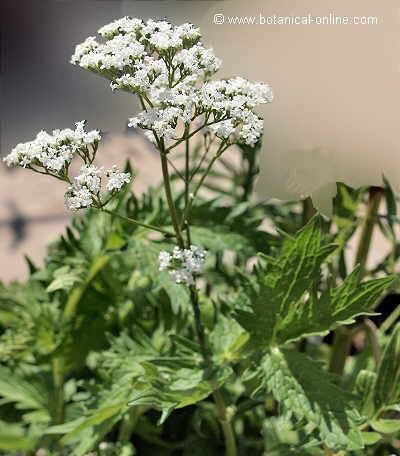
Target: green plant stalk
<point>375,196</point>
<point>188,207</point>
<point>230,441</point>
<point>390,320</point>
<point>250,156</point>
<point>371,334</point>
<point>168,194</point>
<point>129,422</point>
<point>136,222</point>
<point>342,340</point>
<point>58,380</point>
<point>187,181</point>
<point>340,349</point>
<point>229,437</point>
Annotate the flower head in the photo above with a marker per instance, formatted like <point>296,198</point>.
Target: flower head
<point>54,152</point>
<point>183,264</point>
<point>85,189</point>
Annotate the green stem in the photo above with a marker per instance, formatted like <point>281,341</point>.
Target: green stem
<point>390,320</point>
<point>187,183</point>
<point>250,155</point>
<point>188,207</point>
<point>340,349</point>
<point>230,441</point>
<point>128,424</point>
<point>375,196</point>
<point>370,331</point>
<point>170,200</point>
<point>136,222</point>
<point>58,380</point>
<point>227,429</point>
<point>343,336</point>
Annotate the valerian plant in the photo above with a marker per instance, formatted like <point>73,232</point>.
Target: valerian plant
<point>177,323</point>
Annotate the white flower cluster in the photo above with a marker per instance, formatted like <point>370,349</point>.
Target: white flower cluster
<point>136,55</point>
<point>236,99</point>
<point>54,152</point>
<point>227,104</point>
<point>183,264</point>
<point>169,68</point>
<point>85,189</point>
<point>170,106</point>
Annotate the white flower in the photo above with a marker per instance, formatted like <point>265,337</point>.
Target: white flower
<point>117,179</point>
<point>124,25</point>
<point>84,48</point>
<point>132,55</point>
<point>183,264</point>
<point>165,260</point>
<point>55,151</point>
<point>78,197</point>
<point>86,187</point>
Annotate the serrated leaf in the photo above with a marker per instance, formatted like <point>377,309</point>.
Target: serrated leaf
<point>309,393</point>
<point>168,388</point>
<point>283,282</point>
<point>387,383</point>
<point>336,306</point>
<point>27,394</point>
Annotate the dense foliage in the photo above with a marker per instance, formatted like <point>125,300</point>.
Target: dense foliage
<point>193,319</point>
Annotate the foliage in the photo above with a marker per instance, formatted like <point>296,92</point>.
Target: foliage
<point>281,345</point>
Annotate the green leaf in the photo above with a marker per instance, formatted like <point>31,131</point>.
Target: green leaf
<point>385,426</point>
<point>26,393</point>
<point>364,388</point>
<point>387,383</point>
<point>65,278</point>
<point>96,417</point>
<point>336,306</point>
<point>12,438</point>
<point>167,388</point>
<point>370,438</point>
<point>309,393</point>
<point>219,238</point>
<point>282,283</point>
<point>226,340</point>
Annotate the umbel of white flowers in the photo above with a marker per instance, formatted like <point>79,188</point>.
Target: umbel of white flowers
<point>183,264</point>
<point>52,154</point>
<point>168,67</point>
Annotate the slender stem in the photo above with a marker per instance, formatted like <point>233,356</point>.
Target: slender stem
<point>250,156</point>
<point>136,222</point>
<point>188,208</point>
<point>194,299</point>
<point>184,138</point>
<point>343,336</point>
<point>390,320</point>
<point>224,418</point>
<point>170,200</point>
<point>230,441</point>
<point>340,349</point>
<point>370,331</point>
<point>58,379</point>
<point>375,196</point>
<point>187,183</point>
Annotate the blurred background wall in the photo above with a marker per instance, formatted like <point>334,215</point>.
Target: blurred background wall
<point>336,88</point>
